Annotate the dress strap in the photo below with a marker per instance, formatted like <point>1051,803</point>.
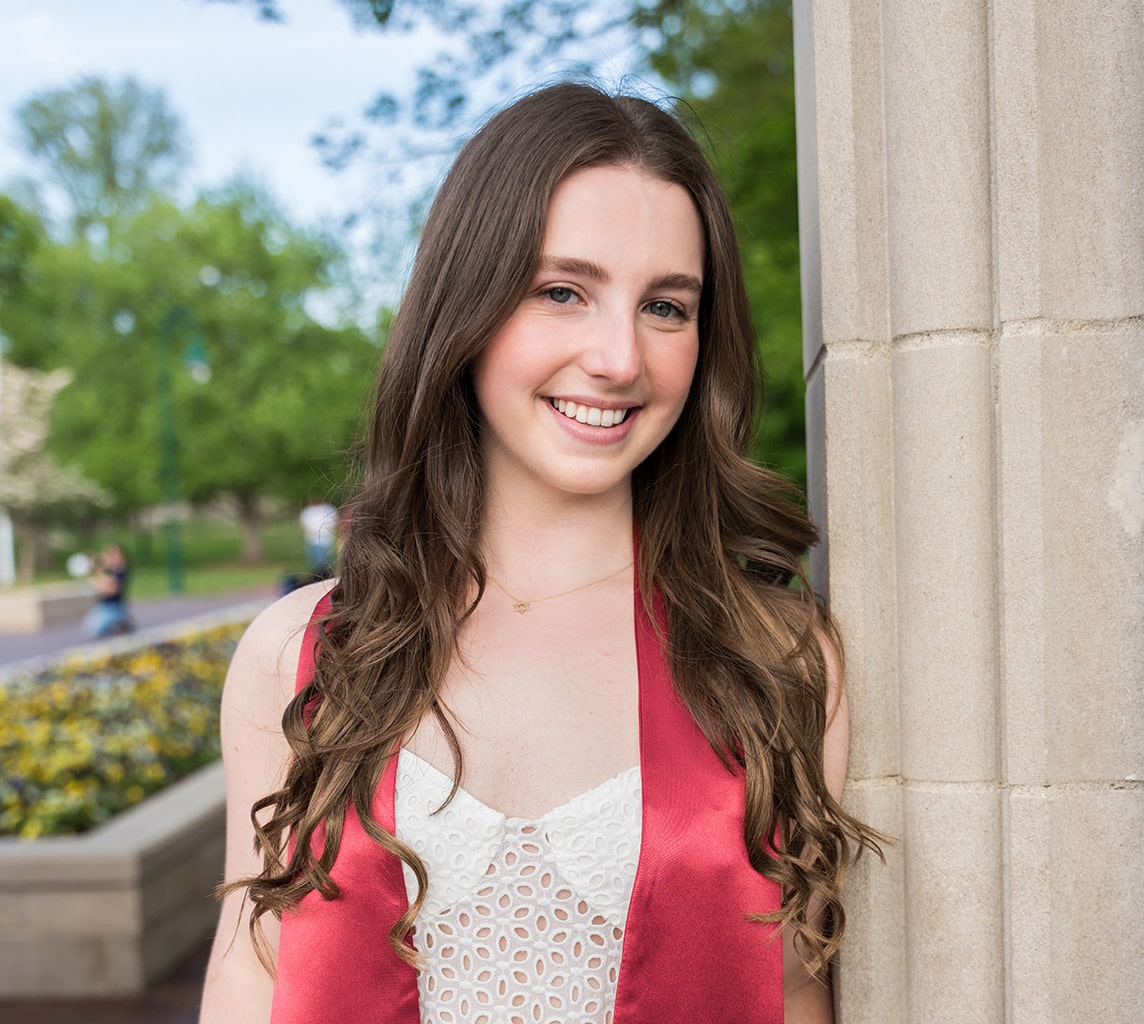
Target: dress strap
<point>695,888</point>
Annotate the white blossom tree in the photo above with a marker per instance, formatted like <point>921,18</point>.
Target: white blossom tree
<point>35,489</point>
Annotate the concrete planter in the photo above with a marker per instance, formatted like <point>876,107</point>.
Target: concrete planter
<point>108,912</point>
<point>28,609</point>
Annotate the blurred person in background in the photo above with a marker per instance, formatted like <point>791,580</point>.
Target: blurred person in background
<point>109,580</point>
<point>319,521</point>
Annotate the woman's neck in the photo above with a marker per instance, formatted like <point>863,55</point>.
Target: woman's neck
<point>545,546</point>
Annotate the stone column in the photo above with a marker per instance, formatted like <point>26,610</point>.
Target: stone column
<point>971,192</point>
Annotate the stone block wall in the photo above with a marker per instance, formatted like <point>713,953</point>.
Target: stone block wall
<point>110,911</point>
<point>972,221</point>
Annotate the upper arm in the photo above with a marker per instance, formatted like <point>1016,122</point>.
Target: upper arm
<point>836,743</point>
<point>259,685</point>
<point>808,1001</point>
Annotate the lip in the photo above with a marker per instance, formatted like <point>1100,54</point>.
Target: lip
<point>594,435</point>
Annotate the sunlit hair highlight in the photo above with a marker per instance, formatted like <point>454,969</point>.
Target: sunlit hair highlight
<point>720,537</point>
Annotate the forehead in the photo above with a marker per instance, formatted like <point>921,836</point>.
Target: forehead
<point>618,214</point>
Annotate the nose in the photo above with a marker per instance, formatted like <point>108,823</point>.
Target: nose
<point>613,350</point>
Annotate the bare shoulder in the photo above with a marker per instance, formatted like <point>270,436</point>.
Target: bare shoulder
<point>261,675</point>
<point>836,742</point>
<point>835,684</point>
<point>275,636</point>
<point>259,685</point>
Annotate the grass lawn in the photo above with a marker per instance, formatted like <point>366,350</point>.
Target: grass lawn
<point>210,550</point>
<point>206,580</point>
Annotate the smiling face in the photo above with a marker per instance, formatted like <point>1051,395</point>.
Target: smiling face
<point>592,370</point>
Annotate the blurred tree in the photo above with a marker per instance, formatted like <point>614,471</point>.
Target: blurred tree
<point>733,63</point>
<point>38,492</point>
<point>220,297</point>
<point>109,148</point>
<point>476,56</point>
<point>21,233</point>
<point>280,409</point>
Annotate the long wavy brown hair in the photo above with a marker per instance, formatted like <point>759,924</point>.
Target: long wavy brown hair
<point>720,537</point>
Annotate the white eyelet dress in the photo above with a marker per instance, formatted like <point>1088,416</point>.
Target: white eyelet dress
<point>523,921</point>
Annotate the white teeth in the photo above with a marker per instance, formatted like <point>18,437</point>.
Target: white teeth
<point>589,414</point>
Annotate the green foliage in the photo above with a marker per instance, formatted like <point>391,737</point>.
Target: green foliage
<point>733,63</point>
<point>93,736</point>
<point>285,391</point>
<point>109,148</point>
<point>265,398</point>
<point>212,550</point>
<point>21,234</point>
<point>199,368</point>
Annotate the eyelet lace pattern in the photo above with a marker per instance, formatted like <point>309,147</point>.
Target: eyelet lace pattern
<point>523,921</point>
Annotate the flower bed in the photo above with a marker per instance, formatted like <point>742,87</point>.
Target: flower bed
<point>86,739</point>
<point>110,910</point>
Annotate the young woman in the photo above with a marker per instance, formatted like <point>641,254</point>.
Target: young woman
<point>562,743</point>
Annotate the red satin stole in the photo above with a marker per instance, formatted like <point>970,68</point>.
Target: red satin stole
<point>689,954</point>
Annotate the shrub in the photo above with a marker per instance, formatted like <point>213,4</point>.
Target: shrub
<point>90,737</point>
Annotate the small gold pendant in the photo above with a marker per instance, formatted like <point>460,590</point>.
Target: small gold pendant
<point>520,607</point>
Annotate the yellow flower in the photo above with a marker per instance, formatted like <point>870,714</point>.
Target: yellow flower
<point>94,735</point>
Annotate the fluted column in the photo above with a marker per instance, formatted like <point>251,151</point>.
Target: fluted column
<point>973,273</point>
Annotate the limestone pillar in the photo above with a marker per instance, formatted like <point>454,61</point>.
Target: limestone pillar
<point>971,192</point>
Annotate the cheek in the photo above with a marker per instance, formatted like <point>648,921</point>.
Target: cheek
<point>494,370</point>
<point>516,356</point>
<point>676,371</point>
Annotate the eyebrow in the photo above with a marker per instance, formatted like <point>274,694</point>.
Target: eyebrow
<point>592,270</point>
<point>678,282</point>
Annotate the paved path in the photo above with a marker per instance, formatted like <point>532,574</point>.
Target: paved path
<point>18,647</point>
<point>175,1000</point>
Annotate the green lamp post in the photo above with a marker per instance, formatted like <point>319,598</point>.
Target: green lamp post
<point>175,321</point>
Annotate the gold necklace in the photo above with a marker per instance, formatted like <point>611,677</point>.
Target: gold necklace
<point>522,605</point>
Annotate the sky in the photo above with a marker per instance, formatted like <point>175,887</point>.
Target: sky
<point>250,93</point>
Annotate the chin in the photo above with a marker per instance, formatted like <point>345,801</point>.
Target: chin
<point>592,485</point>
